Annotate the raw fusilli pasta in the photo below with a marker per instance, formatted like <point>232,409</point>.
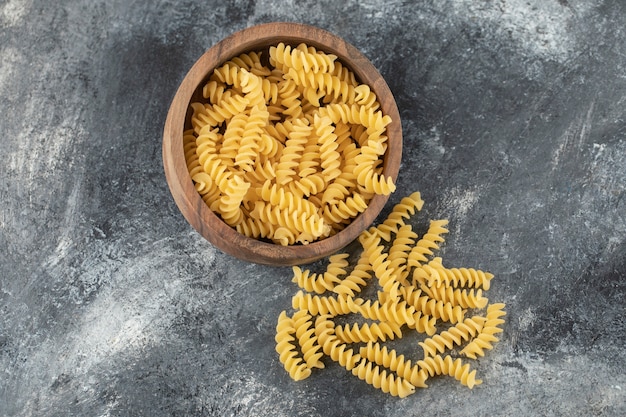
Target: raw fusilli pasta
<point>368,333</point>
<point>454,336</point>
<point>429,241</point>
<point>355,332</point>
<point>462,277</point>
<point>286,348</point>
<point>321,304</point>
<point>356,280</point>
<point>438,365</point>
<point>387,382</point>
<point>486,337</point>
<point>388,358</point>
<point>307,340</point>
<point>308,281</point>
<point>332,346</point>
<point>287,126</point>
<point>396,219</point>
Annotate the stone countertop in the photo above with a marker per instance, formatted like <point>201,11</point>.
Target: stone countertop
<point>514,119</point>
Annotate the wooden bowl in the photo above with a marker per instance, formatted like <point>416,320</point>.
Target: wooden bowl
<point>189,201</point>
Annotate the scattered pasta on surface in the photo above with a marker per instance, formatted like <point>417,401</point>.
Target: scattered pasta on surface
<point>444,309</point>
<point>286,145</point>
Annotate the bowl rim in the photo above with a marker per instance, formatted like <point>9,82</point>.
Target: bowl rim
<point>189,201</point>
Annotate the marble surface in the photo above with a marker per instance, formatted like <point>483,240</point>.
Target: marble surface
<point>514,118</point>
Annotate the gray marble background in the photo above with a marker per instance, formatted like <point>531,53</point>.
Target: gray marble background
<point>514,118</point>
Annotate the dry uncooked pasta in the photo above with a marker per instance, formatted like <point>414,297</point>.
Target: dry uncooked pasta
<point>417,297</point>
<point>286,145</point>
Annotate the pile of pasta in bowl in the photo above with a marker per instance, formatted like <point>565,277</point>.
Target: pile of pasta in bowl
<point>286,145</point>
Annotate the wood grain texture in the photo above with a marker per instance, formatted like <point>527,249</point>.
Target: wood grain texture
<point>190,203</point>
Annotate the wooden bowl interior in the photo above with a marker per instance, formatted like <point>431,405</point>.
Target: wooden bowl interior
<point>189,201</point>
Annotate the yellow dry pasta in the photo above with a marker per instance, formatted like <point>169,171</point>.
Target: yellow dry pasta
<point>387,382</point>
<point>309,281</point>
<point>445,309</point>
<point>356,280</point>
<point>307,340</point>
<point>439,365</point>
<point>368,333</point>
<point>286,347</point>
<point>389,358</point>
<point>287,125</point>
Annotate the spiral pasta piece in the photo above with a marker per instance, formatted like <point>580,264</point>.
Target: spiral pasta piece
<point>230,203</point>
<point>252,88</point>
<point>249,146</point>
<point>191,156</point>
<point>485,339</point>
<point>424,323</point>
<point>255,228</point>
<point>366,97</point>
<point>366,169</point>
<point>325,330</point>
<point>301,58</point>
<point>397,311</point>
<point>438,309</point>
<point>214,115</point>
<point>381,265</point>
<point>292,152</point>
<point>438,365</point>
<point>344,74</point>
<point>337,268</point>
<point>291,220</point>
<point>389,358</point>
<point>494,312</point>
<point>396,219</point>
<point>229,74</point>
<point>309,186</point>
<point>386,382</point>
<point>203,182</point>
<point>334,193</point>
<point>368,332</point>
<point>345,209</point>
<point>328,147</point>
<point>286,200</point>
<point>457,297</point>
<point>220,176</point>
<point>331,89</point>
<point>290,99</point>
<point>215,91</point>
<point>307,340</point>
<point>454,336</point>
<point>313,61</point>
<point>399,252</point>
<point>470,277</point>
<point>445,311</point>
<point>310,160</point>
<point>286,348</point>
<point>270,147</point>
<point>423,248</point>
<point>356,114</point>
<point>462,277</point>
<point>261,172</point>
<point>337,350</point>
<point>317,283</point>
<point>356,280</point>
<point>315,304</point>
<point>284,235</point>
